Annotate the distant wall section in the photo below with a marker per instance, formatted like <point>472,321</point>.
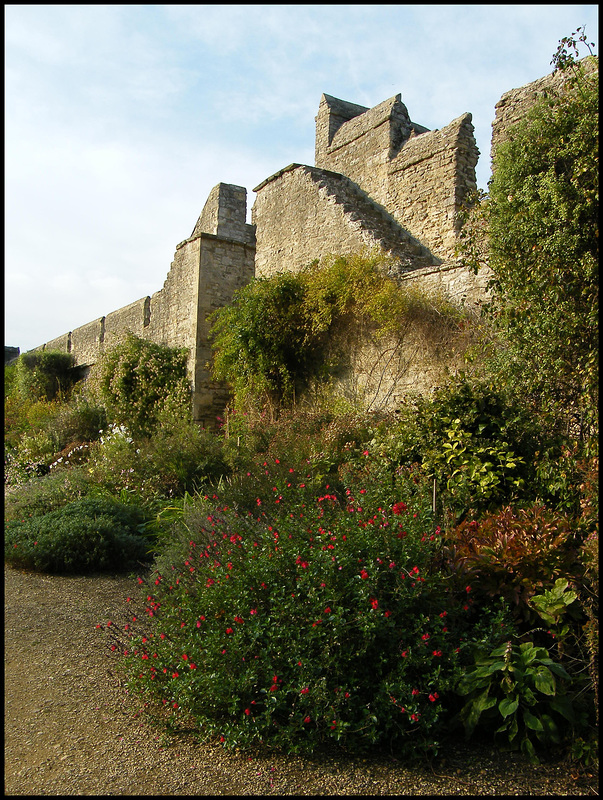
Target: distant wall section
<point>207,269</point>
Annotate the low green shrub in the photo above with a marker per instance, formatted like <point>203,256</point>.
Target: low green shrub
<point>45,494</point>
<point>88,535</point>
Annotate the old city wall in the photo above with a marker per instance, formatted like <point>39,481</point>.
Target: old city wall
<point>381,182</point>
<point>207,269</point>
<point>324,213</point>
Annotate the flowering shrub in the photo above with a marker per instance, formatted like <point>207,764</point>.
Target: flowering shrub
<point>136,379</point>
<point>315,618</point>
<point>179,457</point>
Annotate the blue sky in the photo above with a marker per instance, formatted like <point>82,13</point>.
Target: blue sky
<point>119,120</point>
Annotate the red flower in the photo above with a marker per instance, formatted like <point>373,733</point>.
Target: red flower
<point>374,603</point>
<point>364,574</point>
<point>305,690</point>
<point>433,697</point>
<point>229,630</point>
<point>307,720</point>
<point>248,711</point>
<point>399,508</point>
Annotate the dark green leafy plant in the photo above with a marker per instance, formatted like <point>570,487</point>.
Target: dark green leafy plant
<point>538,231</point>
<point>518,685</point>
<point>44,375</point>
<point>87,535</point>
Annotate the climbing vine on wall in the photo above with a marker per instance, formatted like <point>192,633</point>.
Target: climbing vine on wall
<point>283,332</point>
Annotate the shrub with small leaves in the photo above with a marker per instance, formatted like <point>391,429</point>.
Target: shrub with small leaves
<point>316,618</point>
<point>88,535</point>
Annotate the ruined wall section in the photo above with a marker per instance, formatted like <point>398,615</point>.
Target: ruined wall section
<point>224,214</point>
<point>173,308</point>
<point>225,267</point>
<point>206,271</point>
<point>421,177</point>
<point>324,213</point>
<point>429,180</point>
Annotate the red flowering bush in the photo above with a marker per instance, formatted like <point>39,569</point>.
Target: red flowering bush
<point>317,617</point>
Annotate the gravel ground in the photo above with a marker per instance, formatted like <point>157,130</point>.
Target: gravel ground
<point>70,727</point>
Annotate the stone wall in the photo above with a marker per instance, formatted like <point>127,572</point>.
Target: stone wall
<point>324,212</point>
<point>207,269</point>
<point>381,182</point>
<point>421,177</point>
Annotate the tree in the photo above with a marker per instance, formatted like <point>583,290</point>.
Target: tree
<point>541,229</point>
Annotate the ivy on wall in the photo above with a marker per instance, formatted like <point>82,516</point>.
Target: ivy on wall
<point>283,332</point>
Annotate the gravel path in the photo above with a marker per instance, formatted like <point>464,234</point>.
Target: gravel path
<point>70,727</point>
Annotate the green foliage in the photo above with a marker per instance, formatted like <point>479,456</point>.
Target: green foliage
<point>314,619</point>
<point>44,375</point>
<point>79,420</point>
<point>87,535</point>
<point>47,493</point>
<point>552,604</point>
<point>476,441</point>
<point>540,226</point>
<point>522,686</point>
<point>137,379</point>
<point>179,457</point>
<point>282,333</point>
<point>259,341</point>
